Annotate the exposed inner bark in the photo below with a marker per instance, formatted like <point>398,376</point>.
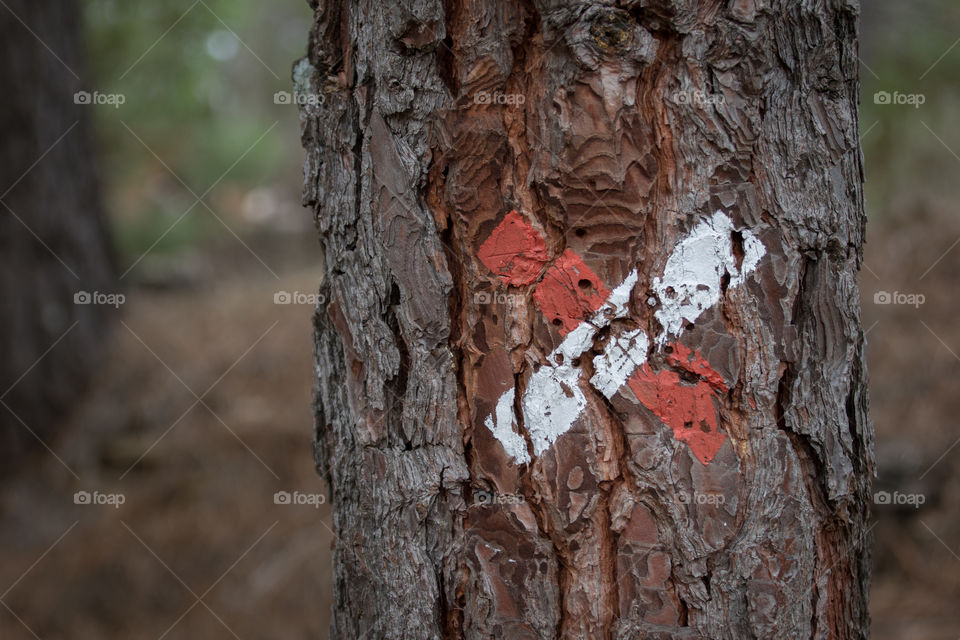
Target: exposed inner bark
<point>494,179</point>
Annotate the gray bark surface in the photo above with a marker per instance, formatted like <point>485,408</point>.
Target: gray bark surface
<point>52,240</point>
<point>408,174</point>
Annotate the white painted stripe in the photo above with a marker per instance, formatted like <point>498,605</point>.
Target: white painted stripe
<point>691,278</point>
<point>753,250</point>
<point>553,399</point>
<point>505,429</point>
<point>552,402</point>
<point>622,356</point>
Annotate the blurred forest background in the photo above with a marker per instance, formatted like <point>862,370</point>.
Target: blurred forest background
<point>201,413</point>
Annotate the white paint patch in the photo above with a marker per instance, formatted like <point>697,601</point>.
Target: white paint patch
<point>753,250</point>
<point>691,278</point>
<point>504,429</point>
<point>553,399</point>
<point>551,404</point>
<point>622,356</point>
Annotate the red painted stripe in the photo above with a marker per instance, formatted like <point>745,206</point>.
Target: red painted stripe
<point>691,361</point>
<point>688,409</point>
<point>569,293</point>
<point>515,251</point>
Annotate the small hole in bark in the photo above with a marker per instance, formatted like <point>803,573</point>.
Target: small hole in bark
<point>585,284</point>
<point>558,358</point>
<point>724,282</point>
<point>736,239</point>
<point>580,233</point>
<point>688,425</point>
<point>556,322</point>
<point>671,293</point>
<point>576,362</point>
<point>536,367</point>
<point>691,327</point>
<point>668,349</point>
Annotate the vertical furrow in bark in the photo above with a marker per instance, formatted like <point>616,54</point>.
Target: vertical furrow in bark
<point>388,396</point>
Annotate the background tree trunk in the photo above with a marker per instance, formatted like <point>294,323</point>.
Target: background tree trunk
<point>51,235</point>
<point>591,364</point>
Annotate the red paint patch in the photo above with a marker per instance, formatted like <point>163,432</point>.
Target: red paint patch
<point>691,361</point>
<point>569,293</point>
<point>684,407</point>
<point>515,251</point>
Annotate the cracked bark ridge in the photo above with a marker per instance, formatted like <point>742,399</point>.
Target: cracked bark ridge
<point>604,132</point>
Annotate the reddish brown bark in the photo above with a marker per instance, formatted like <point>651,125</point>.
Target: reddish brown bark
<point>678,279</point>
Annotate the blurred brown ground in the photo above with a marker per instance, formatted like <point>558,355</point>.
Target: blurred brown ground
<point>199,507</point>
<point>915,401</point>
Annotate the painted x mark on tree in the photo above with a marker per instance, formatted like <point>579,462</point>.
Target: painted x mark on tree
<point>712,258</point>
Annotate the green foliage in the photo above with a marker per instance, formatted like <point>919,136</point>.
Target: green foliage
<point>199,78</point>
<point>909,149</point>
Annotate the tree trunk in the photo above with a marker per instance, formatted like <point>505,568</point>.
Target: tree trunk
<point>591,363</point>
<point>52,240</point>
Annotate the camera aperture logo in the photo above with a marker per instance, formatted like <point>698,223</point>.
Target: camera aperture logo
<point>297,498</point>
<point>497,297</point>
<point>702,498</point>
<point>97,297</point>
<point>912,299</point>
<point>299,99</point>
<point>698,98</point>
<point>490,498</point>
<point>95,498</point>
<point>498,97</point>
<point>297,297</point>
<point>112,99</point>
<point>899,499</point>
<point>896,98</point>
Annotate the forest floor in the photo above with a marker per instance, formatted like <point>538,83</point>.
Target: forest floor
<point>200,549</point>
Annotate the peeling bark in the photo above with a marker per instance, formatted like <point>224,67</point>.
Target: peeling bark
<point>592,363</point>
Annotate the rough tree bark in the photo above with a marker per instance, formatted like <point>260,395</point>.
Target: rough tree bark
<point>591,363</point>
<point>52,240</point>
